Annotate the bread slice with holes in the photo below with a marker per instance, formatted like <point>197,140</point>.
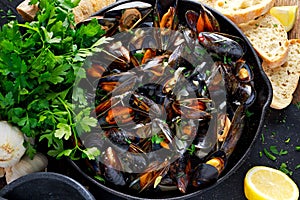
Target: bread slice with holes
<point>87,7</point>
<point>294,53</point>
<point>284,79</point>
<point>241,11</point>
<point>269,38</point>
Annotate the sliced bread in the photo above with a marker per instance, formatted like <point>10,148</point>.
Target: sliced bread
<point>295,53</point>
<point>284,79</point>
<point>269,39</point>
<point>87,7</point>
<point>240,11</point>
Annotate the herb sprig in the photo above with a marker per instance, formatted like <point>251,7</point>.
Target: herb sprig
<point>40,65</point>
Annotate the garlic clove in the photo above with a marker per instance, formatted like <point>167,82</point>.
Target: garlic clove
<point>26,166</point>
<point>11,144</point>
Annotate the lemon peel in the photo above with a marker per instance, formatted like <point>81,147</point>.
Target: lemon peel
<point>286,15</point>
<point>265,183</point>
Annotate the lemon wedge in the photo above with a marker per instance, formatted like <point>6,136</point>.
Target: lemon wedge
<point>265,183</point>
<point>286,15</point>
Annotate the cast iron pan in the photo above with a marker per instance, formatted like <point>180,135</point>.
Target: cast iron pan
<point>252,127</point>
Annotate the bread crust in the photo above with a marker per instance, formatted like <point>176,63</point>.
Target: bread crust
<point>284,79</point>
<point>87,7</point>
<point>295,52</point>
<point>241,11</point>
<point>279,103</point>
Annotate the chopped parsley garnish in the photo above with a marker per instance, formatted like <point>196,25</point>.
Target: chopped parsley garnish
<point>269,155</point>
<point>284,168</point>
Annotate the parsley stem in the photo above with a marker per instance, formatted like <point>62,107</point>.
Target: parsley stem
<point>269,155</point>
<point>262,138</point>
<point>284,169</point>
<point>71,123</point>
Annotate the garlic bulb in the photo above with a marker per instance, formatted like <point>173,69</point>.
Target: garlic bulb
<point>11,145</point>
<point>26,166</point>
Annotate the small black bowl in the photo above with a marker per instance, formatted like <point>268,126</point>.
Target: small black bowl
<point>46,186</point>
<point>253,124</point>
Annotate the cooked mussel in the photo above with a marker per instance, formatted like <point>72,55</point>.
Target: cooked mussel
<point>171,107</point>
<point>201,21</point>
<point>244,71</point>
<point>221,46</point>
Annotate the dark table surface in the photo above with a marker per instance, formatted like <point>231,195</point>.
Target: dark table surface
<point>281,129</point>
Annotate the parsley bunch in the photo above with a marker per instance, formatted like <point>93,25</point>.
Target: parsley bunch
<point>40,65</point>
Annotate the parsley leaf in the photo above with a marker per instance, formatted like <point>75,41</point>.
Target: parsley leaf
<point>40,68</point>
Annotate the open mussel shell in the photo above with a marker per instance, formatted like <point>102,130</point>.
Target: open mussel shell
<point>205,175</point>
<point>245,94</point>
<point>223,45</point>
<point>191,18</point>
<point>252,127</point>
<point>237,39</point>
<point>244,71</point>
